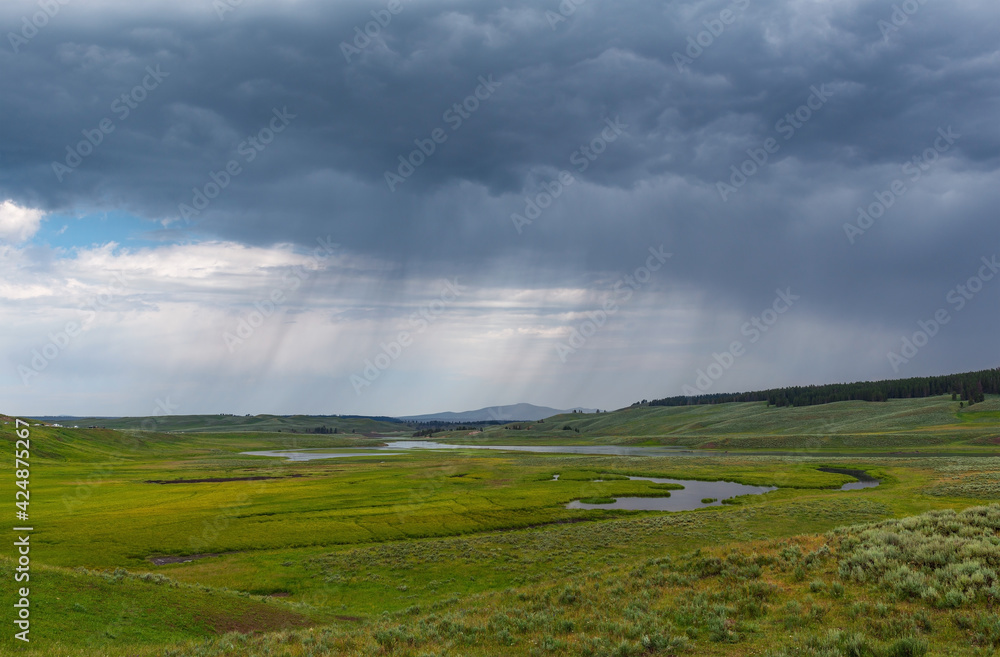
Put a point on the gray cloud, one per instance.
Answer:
(558, 84)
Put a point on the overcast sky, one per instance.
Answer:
(415, 206)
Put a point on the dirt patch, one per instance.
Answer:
(279, 594)
(256, 619)
(214, 480)
(353, 619)
(162, 561)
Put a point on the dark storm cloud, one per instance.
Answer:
(885, 92)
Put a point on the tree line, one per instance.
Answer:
(970, 387)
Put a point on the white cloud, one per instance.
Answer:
(154, 323)
(18, 224)
(166, 310)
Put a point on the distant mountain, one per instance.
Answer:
(510, 413)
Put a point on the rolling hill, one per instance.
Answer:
(510, 413)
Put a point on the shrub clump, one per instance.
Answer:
(946, 558)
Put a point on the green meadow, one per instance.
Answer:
(173, 543)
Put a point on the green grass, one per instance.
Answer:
(943, 558)
(473, 552)
(94, 610)
(931, 424)
(781, 597)
(254, 423)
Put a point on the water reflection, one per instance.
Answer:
(864, 480)
(680, 500)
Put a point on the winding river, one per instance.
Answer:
(692, 496)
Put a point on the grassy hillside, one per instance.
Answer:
(933, 423)
(91, 445)
(101, 610)
(254, 423)
(930, 423)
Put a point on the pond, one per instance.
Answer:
(597, 450)
(691, 497)
(864, 480)
(391, 449)
(296, 455)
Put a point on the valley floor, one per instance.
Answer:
(176, 544)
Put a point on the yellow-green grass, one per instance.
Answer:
(94, 610)
(451, 532)
(788, 597)
(339, 501)
(366, 578)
